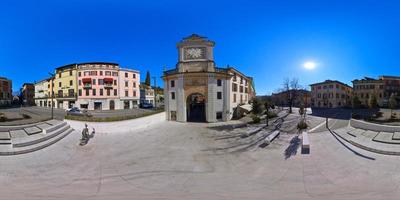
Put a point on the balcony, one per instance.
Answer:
(66, 95)
(108, 85)
(87, 86)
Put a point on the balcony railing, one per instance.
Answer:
(66, 95)
(87, 86)
(108, 85)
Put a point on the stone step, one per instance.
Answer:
(37, 138)
(53, 128)
(8, 150)
(396, 136)
(32, 130)
(5, 142)
(5, 135)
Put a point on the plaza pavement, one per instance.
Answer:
(171, 160)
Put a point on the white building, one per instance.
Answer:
(197, 90)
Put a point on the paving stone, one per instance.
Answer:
(32, 130)
(370, 134)
(4, 136)
(384, 137)
(53, 122)
(43, 126)
(396, 136)
(18, 134)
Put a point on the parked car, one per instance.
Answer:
(79, 112)
(146, 105)
(72, 108)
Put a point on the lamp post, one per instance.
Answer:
(155, 93)
(52, 94)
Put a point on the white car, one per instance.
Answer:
(73, 108)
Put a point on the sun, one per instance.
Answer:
(309, 65)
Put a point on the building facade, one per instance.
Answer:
(65, 86)
(92, 86)
(382, 88)
(129, 88)
(197, 90)
(5, 91)
(301, 97)
(330, 94)
(146, 94)
(28, 94)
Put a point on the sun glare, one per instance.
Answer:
(309, 65)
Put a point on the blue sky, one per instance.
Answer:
(269, 40)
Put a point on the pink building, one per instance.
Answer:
(129, 88)
(98, 86)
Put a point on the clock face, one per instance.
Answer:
(194, 53)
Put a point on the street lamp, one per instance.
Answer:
(155, 93)
(52, 94)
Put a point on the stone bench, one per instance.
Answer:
(271, 137)
(305, 143)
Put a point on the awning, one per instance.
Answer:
(86, 80)
(108, 80)
(246, 107)
(84, 102)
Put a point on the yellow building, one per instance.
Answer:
(65, 86)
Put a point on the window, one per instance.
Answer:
(126, 75)
(219, 115)
(108, 73)
(87, 92)
(134, 93)
(79, 74)
(115, 82)
(70, 83)
(108, 92)
(70, 72)
(115, 73)
(219, 82)
(126, 83)
(101, 73)
(101, 92)
(59, 75)
(126, 93)
(59, 84)
(94, 92)
(101, 82)
(134, 75)
(219, 95)
(172, 83)
(115, 92)
(234, 98)
(134, 84)
(234, 87)
(172, 95)
(241, 88)
(94, 81)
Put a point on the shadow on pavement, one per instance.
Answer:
(294, 145)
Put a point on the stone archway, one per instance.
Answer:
(196, 108)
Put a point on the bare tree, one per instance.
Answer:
(291, 88)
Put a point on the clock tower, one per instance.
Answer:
(195, 54)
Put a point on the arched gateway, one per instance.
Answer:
(196, 90)
(196, 108)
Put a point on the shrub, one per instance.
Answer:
(302, 125)
(2, 117)
(355, 116)
(379, 114)
(25, 116)
(271, 115)
(256, 119)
